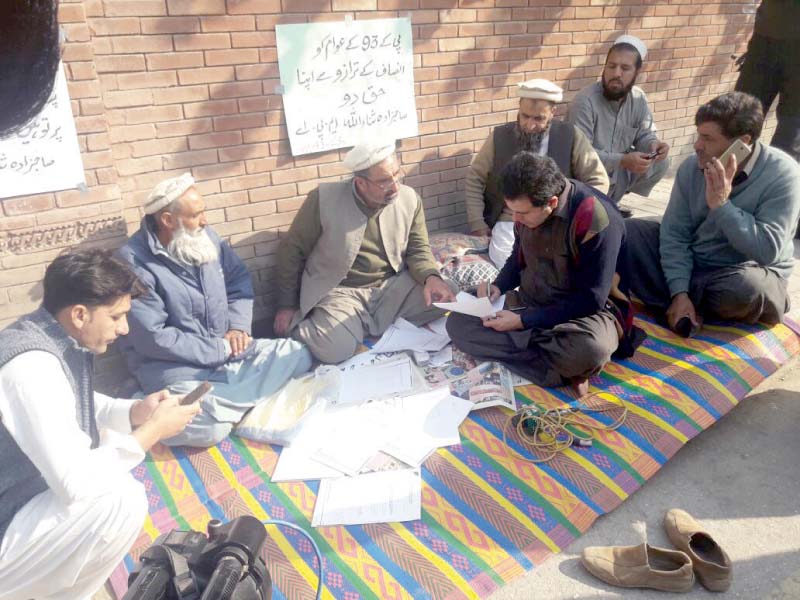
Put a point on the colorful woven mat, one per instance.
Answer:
(487, 517)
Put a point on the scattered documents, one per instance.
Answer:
(403, 335)
(385, 497)
(468, 304)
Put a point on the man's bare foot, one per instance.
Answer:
(580, 385)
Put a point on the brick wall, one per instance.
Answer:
(159, 87)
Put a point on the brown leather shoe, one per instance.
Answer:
(640, 566)
(711, 563)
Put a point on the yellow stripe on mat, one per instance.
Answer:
(682, 364)
(435, 559)
(508, 506)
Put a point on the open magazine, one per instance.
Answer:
(488, 384)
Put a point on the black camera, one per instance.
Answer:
(187, 565)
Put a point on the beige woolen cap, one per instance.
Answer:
(633, 41)
(540, 89)
(167, 191)
(367, 154)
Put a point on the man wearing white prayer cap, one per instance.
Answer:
(536, 131)
(357, 257)
(195, 322)
(615, 116)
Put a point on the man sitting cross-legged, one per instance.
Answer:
(194, 323)
(357, 257)
(724, 247)
(571, 313)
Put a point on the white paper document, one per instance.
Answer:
(387, 378)
(386, 497)
(429, 421)
(468, 304)
(403, 335)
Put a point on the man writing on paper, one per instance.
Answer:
(572, 282)
(615, 116)
(535, 131)
(724, 247)
(357, 257)
(194, 323)
(69, 507)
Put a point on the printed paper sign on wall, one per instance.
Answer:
(346, 82)
(44, 155)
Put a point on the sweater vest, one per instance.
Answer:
(20, 480)
(506, 145)
(343, 226)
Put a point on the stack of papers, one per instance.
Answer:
(403, 335)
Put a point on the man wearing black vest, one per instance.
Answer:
(69, 507)
(565, 283)
(533, 131)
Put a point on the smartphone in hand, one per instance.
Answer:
(739, 149)
(197, 393)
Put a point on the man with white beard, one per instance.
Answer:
(194, 325)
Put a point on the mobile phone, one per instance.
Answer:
(197, 393)
(739, 149)
(652, 155)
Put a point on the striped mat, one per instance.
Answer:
(487, 517)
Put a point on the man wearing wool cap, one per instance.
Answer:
(615, 116)
(535, 131)
(357, 257)
(194, 324)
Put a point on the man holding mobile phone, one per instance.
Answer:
(615, 115)
(724, 248)
(69, 507)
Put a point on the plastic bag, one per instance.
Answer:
(277, 418)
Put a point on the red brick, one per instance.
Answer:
(123, 44)
(202, 41)
(118, 26)
(205, 75)
(153, 147)
(236, 7)
(147, 80)
(211, 108)
(457, 15)
(171, 25)
(254, 39)
(231, 57)
(196, 7)
(228, 23)
(136, 8)
(183, 127)
(119, 63)
(215, 140)
(174, 60)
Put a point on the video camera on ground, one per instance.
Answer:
(187, 565)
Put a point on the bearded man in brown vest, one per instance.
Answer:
(535, 131)
(357, 257)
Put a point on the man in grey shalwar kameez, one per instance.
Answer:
(614, 115)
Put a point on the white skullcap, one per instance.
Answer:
(540, 89)
(633, 41)
(368, 154)
(167, 191)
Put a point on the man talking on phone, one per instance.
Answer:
(69, 507)
(573, 310)
(723, 249)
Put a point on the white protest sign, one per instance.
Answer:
(346, 82)
(44, 155)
